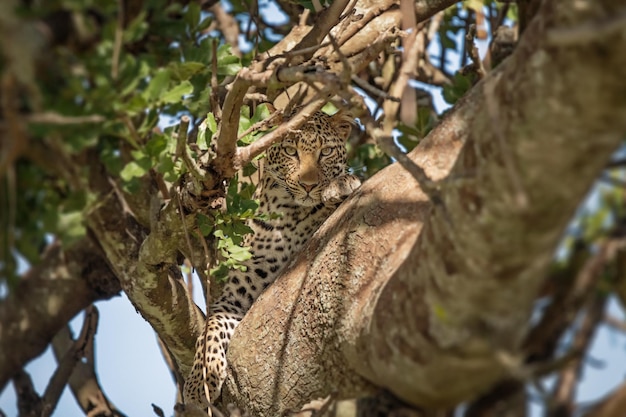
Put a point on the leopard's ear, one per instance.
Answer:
(342, 122)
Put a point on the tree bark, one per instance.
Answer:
(431, 301)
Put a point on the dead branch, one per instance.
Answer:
(28, 401)
(228, 26)
(326, 20)
(562, 402)
(615, 323)
(69, 360)
(558, 317)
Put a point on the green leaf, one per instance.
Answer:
(158, 85)
(220, 272)
(239, 253)
(175, 94)
(135, 169)
(156, 145)
(460, 85)
(204, 24)
(211, 123)
(513, 13)
(241, 228)
(262, 112)
(166, 166)
(204, 224)
(249, 169)
(447, 41)
(137, 28)
(227, 63)
(71, 227)
(185, 70)
(192, 16)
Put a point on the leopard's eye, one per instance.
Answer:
(291, 151)
(326, 151)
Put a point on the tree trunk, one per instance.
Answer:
(431, 301)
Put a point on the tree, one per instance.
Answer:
(417, 293)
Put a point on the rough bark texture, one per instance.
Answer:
(156, 289)
(431, 302)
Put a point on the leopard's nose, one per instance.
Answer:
(307, 187)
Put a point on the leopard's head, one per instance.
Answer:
(307, 160)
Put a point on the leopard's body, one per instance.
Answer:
(304, 179)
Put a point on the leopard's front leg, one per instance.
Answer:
(209, 365)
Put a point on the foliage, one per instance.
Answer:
(117, 84)
(156, 72)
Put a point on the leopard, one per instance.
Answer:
(303, 180)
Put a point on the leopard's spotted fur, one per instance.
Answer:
(304, 178)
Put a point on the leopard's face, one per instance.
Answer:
(307, 160)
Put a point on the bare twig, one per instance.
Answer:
(408, 107)
(133, 138)
(368, 88)
(384, 136)
(303, 51)
(182, 151)
(500, 18)
(59, 119)
(563, 397)
(158, 179)
(262, 125)
(433, 26)
(615, 323)
(189, 276)
(167, 357)
(181, 139)
(543, 338)
(228, 26)
(407, 70)
(157, 410)
(28, 401)
(326, 20)
(472, 50)
(215, 106)
(227, 135)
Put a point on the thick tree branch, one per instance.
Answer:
(427, 301)
(325, 21)
(154, 287)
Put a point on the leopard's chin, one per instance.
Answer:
(307, 201)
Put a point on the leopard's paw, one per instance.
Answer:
(340, 188)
